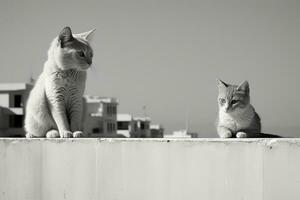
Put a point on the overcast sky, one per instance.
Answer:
(167, 54)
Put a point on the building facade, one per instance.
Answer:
(133, 127)
(143, 127)
(156, 131)
(126, 125)
(182, 134)
(13, 98)
(100, 116)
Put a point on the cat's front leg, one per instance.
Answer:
(224, 132)
(76, 123)
(241, 135)
(75, 129)
(60, 118)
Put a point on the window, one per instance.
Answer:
(108, 110)
(135, 127)
(96, 130)
(108, 127)
(16, 121)
(123, 125)
(18, 101)
(142, 125)
(111, 110)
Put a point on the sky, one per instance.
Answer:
(167, 54)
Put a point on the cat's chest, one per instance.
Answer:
(236, 122)
(65, 85)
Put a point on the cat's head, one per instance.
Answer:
(73, 51)
(233, 98)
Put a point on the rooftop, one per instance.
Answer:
(142, 119)
(124, 117)
(156, 126)
(13, 86)
(98, 99)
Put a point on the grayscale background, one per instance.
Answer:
(166, 55)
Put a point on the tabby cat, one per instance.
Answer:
(54, 107)
(237, 117)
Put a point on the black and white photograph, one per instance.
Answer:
(150, 100)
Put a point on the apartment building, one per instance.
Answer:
(13, 98)
(100, 116)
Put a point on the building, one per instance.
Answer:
(100, 116)
(182, 134)
(13, 98)
(178, 134)
(193, 134)
(143, 127)
(134, 127)
(126, 125)
(156, 131)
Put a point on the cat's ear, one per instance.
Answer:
(65, 36)
(86, 35)
(221, 84)
(244, 86)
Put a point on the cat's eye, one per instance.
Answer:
(234, 102)
(80, 53)
(222, 101)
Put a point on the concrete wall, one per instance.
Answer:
(152, 169)
(4, 100)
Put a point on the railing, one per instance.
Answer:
(149, 169)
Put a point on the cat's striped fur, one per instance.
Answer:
(237, 117)
(55, 105)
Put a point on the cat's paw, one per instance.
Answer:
(52, 134)
(226, 134)
(66, 134)
(241, 135)
(29, 135)
(78, 134)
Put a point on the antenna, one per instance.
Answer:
(31, 79)
(145, 111)
(187, 120)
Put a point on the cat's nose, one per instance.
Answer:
(89, 61)
(227, 109)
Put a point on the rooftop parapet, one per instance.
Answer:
(150, 169)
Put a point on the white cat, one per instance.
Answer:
(55, 106)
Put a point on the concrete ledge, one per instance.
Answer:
(149, 169)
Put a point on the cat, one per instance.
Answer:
(237, 117)
(55, 106)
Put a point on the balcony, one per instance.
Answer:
(13, 110)
(149, 169)
(17, 111)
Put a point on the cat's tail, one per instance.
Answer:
(267, 135)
